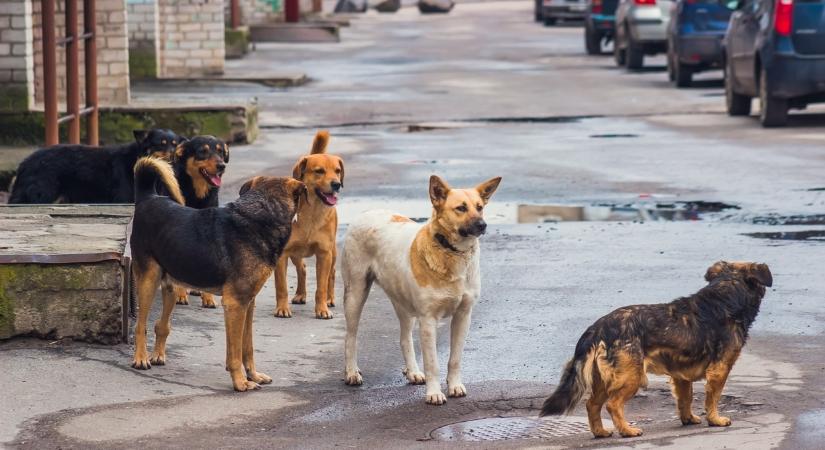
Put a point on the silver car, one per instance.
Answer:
(553, 10)
(641, 29)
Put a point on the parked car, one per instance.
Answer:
(695, 37)
(553, 10)
(641, 29)
(775, 50)
(599, 24)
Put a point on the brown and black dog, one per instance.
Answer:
(314, 231)
(228, 251)
(689, 339)
(199, 164)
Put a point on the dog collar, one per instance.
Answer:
(442, 240)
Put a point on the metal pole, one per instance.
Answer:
(72, 72)
(49, 70)
(235, 14)
(90, 45)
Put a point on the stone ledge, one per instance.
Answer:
(294, 32)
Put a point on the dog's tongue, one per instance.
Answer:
(330, 199)
(215, 180)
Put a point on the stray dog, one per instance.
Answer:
(228, 251)
(87, 174)
(688, 339)
(314, 230)
(199, 164)
(428, 272)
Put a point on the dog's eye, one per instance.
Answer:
(338, 171)
(174, 143)
(461, 208)
(320, 171)
(479, 208)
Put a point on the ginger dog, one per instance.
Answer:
(428, 272)
(314, 230)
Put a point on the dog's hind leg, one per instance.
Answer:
(427, 327)
(624, 382)
(357, 286)
(235, 318)
(301, 271)
(248, 351)
(164, 324)
(716, 376)
(411, 371)
(594, 407)
(459, 326)
(331, 287)
(683, 391)
(281, 294)
(146, 279)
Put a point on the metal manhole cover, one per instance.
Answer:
(509, 428)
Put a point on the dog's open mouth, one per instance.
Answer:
(214, 180)
(330, 199)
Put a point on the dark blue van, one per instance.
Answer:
(775, 50)
(695, 37)
(599, 24)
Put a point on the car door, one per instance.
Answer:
(744, 28)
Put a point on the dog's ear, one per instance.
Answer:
(140, 135)
(341, 177)
(715, 270)
(486, 189)
(319, 144)
(249, 185)
(225, 152)
(297, 188)
(438, 190)
(761, 274)
(299, 169)
(180, 150)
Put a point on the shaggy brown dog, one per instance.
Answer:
(228, 251)
(689, 339)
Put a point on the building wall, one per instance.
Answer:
(112, 52)
(191, 38)
(16, 55)
(142, 21)
(257, 11)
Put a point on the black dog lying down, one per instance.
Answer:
(689, 339)
(229, 251)
(87, 174)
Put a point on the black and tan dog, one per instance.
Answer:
(229, 251)
(692, 338)
(199, 164)
(87, 174)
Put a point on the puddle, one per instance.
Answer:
(806, 235)
(614, 135)
(813, 219)
(641, 212)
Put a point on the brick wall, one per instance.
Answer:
(142, 18)
(257, 11)
(112, 52)
(16, 55)
(191, 35)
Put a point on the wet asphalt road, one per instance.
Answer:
(500, 96)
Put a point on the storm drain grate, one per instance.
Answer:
(510, 428)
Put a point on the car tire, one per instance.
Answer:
(550, 21)
(635, 54)
(619, 53)
(773, 111)
(682, 74)
(736, 104)
(671, 72)
(592, 41)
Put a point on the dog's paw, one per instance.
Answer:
(299, 299)
(141, 363)
(719, 421)
(158, 359)
(323, 314)
(457, 390)
(331, 303)
(631, 432)
(182, 300)
(415, 376)
(208, 301)
(436, 398)
(598, 434)
(246, 385)
(692, 420)
(353, 378)
(283, 312)
(259, 377)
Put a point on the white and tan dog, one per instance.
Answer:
(429, 272)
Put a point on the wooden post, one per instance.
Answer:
(235, 14)
(49, 71)
(292, 11)
(72, 72)
(90, 32)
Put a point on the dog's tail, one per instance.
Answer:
(151, 173)
(576, 380)
(319, 144)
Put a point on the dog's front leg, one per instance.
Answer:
(458, 334)
(716, 376)
(146, 283)
(428, 326)
(323, 265)
(235, 317)
(281, 294)
(249, 352)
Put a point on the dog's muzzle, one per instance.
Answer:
(477, 228)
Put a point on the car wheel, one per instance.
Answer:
(682, 74)
(671, 72)
(619, 53)
(550, 21)
(737, 104)
(635, 54)
(592, 41)
(773, 111)
(537, 16)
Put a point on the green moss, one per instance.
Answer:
(143, 64)
(7, 277)
(115, 127)
(237, 42)
(14, 97)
